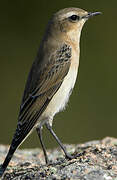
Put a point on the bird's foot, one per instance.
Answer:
(69, 156)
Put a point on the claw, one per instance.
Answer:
(69, 157)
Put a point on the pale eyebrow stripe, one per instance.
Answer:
(68, 14)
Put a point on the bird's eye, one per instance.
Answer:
(74, 17)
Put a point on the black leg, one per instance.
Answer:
(39, 132)
(68, 156)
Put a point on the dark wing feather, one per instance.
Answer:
(47, 82)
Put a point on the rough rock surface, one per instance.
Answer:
(97, 161)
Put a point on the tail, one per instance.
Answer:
(22, 131)
(17, 140)
(7, 160)
(1, 171)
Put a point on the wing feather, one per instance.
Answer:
(40, 88)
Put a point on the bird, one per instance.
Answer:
(51, 79)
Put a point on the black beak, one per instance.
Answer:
(90, 14)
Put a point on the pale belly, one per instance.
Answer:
(61, 97)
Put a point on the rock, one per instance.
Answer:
(97, 160)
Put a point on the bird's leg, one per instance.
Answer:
(67, 155)
(39, 132)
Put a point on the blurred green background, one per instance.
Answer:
(91, 112)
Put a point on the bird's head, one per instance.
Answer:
(69, 21)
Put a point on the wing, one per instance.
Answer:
(40, 88)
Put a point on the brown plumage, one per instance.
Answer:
(51, 78)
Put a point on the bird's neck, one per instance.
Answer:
(73, 36)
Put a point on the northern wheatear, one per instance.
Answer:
(51, 79)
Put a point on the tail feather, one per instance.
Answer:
(7, 160)
(22, 131)
(2, 169)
